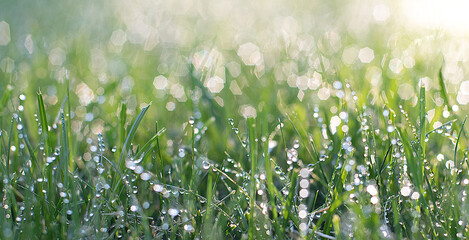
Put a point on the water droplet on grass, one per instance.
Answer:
(173, 212)
(205, 165)
(191, 121)
(405, 191)
(296, 144)
(158, 188)
(145, 176)
(189, 228)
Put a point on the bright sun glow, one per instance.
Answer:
(450, 15)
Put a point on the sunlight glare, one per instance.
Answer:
(450, 15)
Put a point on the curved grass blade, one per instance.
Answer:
(131, 134)
(43, 120)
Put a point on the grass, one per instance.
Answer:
(285, 134)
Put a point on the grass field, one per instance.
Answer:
(231, 120)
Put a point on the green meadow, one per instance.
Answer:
(204, 119)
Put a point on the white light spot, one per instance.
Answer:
(250, 54)
(160, 82)
(57, 56)
(29, 44)
(4, 33)
(145, 176)
(118, 37)
(324, 93)
(371, 189)
(463, 93)
(381, 12)
(302, 214)
(170, 106)
(335, 122)
(247, 111)
(304, 193)
(173, 212)
(405, 191)
(415, 195)
(366, 55)
(405, 91)
(85, 94)
(158, 188)
(215, 84)
(395, 65)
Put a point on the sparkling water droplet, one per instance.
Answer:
(205, 165)
(173, 212)
(296, 144)
(191, 121)
(145, 176)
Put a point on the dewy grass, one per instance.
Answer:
(314, 127)
(119, 193)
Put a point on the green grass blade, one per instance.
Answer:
(43, 121)
(131, 135)
(253, 159)
(441, 82)
(457, 164)
(269, 179)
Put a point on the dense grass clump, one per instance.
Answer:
(146, 120)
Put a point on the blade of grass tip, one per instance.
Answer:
(131, 134)
(147, 147)
(383, 163)
(191, 123)
(69, 126)
(43, 121)
(441, 81)
(456, 146)
(122, 118)
(159, 156)
(269, 179)
(253, 158)
(120, 164)
(65, 151)
(422, 129)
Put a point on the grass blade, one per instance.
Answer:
(131, 135)
(44, 126)
(253, 159)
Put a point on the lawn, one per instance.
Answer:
(231, 119)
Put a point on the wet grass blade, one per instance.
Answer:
(304, 139)
(43, 121)
(422, 116)
(122, 119)
(441, 81)
(131, 135)
(456, 162)
(269, 179)
(253, 159)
